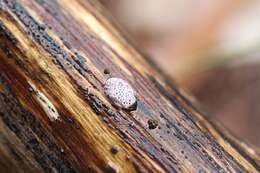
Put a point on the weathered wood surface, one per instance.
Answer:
(53, 54)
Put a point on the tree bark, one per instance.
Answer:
(55, 116)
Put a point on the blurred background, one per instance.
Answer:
(211, 48)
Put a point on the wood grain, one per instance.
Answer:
(52, 61)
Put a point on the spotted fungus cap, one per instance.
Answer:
(120, 93)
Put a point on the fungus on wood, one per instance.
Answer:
(56, 117)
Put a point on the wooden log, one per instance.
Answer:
(55, 57)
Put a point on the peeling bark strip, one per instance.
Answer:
(55, 56)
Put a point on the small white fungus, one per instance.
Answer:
(120, 93)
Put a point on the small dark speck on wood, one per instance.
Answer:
(114, 149)
(106, 71)
(152, 124)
